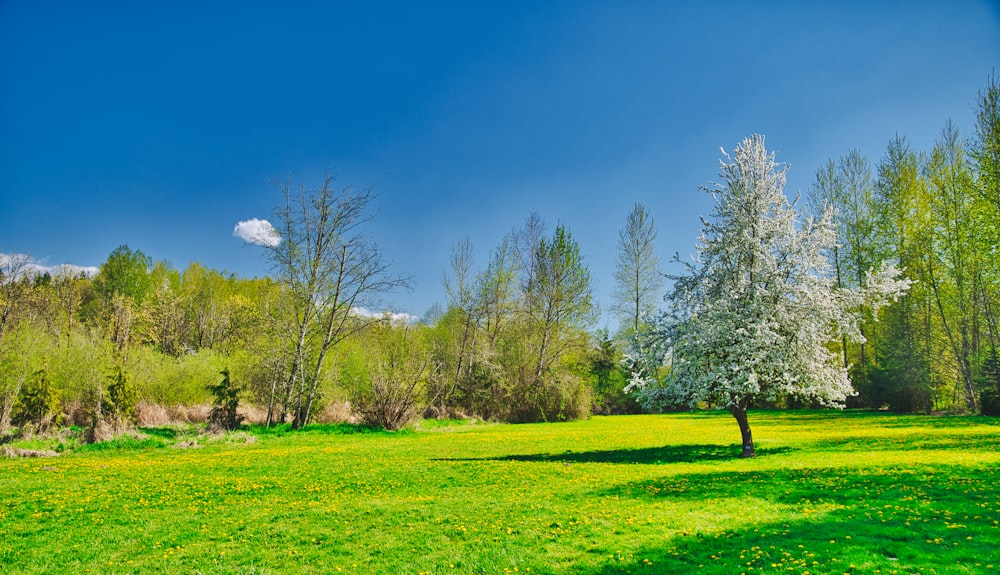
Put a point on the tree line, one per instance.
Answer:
(936, 215)
(513, 344)
(515, 339)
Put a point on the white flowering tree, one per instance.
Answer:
(751, 316)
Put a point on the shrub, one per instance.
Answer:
(989, 379)
(120, 397)
(37, 403)
(112, 410)
(389, 397)
(609, 380)
(902, 387)
(227, 399)
(387, 378)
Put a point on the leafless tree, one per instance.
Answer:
(330, 266)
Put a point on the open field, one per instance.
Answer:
(829, 492)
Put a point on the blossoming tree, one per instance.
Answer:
(750, 317)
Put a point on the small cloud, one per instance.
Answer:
(258, 233)
(399, 318)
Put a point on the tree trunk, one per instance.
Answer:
(740, 413)
(270, 399)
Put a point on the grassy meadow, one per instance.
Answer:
(830, 492)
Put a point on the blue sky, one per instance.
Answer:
(160, 125)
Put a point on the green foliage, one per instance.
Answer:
(989, 371)
(226, 400)
(38, 402)
(167, 380)
(80, 363)
(900, 376)
(563, 394)
(609, 380)
(125, 273)
(512, 345)
(23, 353)
(389, 390)
(936, 215)
(120, 396)
(642, 494)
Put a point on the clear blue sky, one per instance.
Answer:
(160, 124)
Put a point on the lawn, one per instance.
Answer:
(830, 492)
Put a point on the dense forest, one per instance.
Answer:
(142, 341)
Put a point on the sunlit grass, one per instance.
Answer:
(829, 493)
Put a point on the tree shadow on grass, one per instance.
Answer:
(161, 432)
(647, 456)
(841, 520)
(919, 440)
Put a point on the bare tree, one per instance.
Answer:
(460, 288)
(526, 241)
(329, 266)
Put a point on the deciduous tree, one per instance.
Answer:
(330, 265)
(638, 279)
(752, 316)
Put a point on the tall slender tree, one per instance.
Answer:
(904, 344)
(638, 279)
(461, 292)
(562, 305)
(953, 269)
(985, 150)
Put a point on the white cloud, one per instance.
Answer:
(257, 232)
(23, 264)
(393, 317)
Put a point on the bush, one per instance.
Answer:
(903, 388)
(38, 403)
(386, 391)
(989, 379)
(165, 380)
(111, 411)
(560, 395)
(389, 400)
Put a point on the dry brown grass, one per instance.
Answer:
(252, 414)
(108, 429)
(155, 415)
(336, 412)
(151, 415)
(13, 452)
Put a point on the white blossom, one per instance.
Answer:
(751, 317)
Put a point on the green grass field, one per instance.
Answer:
(829, 492)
